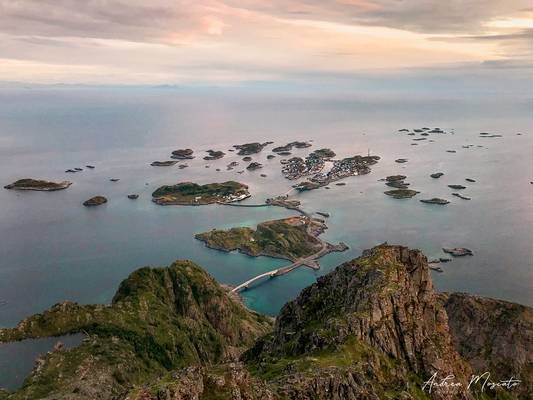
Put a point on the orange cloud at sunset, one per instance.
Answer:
(167, 41)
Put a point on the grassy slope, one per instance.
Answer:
(160, 319)
(274, 238)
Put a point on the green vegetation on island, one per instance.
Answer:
(189, 193)
(39, 185)
(286, 238)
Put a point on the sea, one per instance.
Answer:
(53, 249)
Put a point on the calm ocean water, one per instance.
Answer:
(52, 248)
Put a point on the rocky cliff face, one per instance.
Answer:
(160, 319)
(226, 381)
(494, 336)
(372, 329)
(379, 315)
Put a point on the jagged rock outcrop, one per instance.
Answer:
(372, 329)
(227, 381)
(160, 319)
(494, 336)
(377, 322)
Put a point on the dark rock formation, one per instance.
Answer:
(494, 336)
(250, 148)
(182, 154)
(458, 251)
(437, 175)
(394, 178)
(401, 193)
(214, 155)
(289, 146)
(435, 200)
(95, 201)
(360, 330)
(461, 196)
(323, 153)
(253, 166)
(163, 163)
(133, 196)
(396, 181)
(306, 185)
(457, 187)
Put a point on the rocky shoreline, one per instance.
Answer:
(38, 185)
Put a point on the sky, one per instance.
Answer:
(227, 42)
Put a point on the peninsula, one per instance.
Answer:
(193, 194)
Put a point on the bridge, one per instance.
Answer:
(310, 261)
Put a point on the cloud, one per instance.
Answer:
(133, 20)
(182, 40)
(427, 16)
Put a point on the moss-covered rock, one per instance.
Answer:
(366, 330)
(159, 320)
(286, 238)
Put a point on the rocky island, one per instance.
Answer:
(182, 154)
(250, 148)
(289, 146)
(95, 201)
(435, 200)
(38, 185)
(287, 238)
(214, 155)
(397, 181)
(163, 163)
(253, 166)
(374, 328)
(401, 193)
(189, 193)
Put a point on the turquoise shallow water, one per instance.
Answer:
(52, 248)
